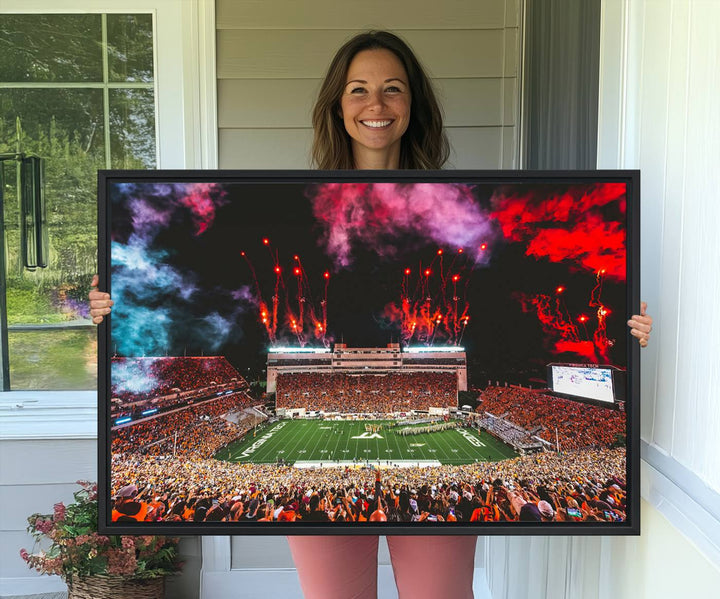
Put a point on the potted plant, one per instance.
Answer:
(95, 566)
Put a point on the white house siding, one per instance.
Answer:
(271, 57)
(658, 111)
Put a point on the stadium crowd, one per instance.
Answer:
(160, 476)
(165, 378)
(200, 428)
(578, 425)
(378, 394)
(584, 486)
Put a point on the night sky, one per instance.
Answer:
(182, 286)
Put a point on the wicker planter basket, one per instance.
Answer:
(116, 587)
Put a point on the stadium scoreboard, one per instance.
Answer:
(603, 384)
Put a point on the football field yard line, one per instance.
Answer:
(243, 444)
(301, 449)
(344, 437)
(315, 455)
(422, 451)
(270, 453)
(466, 451)
(398, 454)
(259, 454)
(447, 454)
(289, 440)
(335, 453)
(302, 431)
(305, 431)
(361, 445)
(300, 441)
(234, 454)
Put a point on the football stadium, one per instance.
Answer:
(376, 439)
(276, 358)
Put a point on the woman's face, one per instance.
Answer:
(375, 105)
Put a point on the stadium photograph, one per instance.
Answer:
(349, 354)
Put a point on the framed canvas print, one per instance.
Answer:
(396, 352)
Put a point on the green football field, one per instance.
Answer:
(311, 442)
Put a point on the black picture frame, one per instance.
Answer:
(493, 188)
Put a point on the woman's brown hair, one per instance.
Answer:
(424, 144)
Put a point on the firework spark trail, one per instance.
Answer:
(307, 311)
(299, 315)
(265, 318)
(297, 271)
(570, 226)
(371, 214)
(275, 302)
(455, 298)
(556, 322)
(432, 310)
(442, 274)
(326, 276)
(600, 336)
(555, 325)
(550, 314)
(270, 318)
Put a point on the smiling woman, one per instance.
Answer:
(375, 108)
(375, 78)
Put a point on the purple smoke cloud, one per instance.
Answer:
(370, 214)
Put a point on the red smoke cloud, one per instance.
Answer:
(586, 349)
(570, 226)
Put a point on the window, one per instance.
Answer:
(78, 91)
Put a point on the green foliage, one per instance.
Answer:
(26, 303)
(70, 191)
(66, 127)
(77, 550)
(50, 47)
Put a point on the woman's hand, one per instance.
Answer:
(641, 325)
(100, 302)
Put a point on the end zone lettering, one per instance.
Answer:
(471, 438)
(250, 450)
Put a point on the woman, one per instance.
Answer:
(377, 110)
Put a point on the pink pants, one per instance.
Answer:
(425, 567)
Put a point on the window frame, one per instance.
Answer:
(186, 137)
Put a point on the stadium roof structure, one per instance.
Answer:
(298, 350)
(433, 349)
